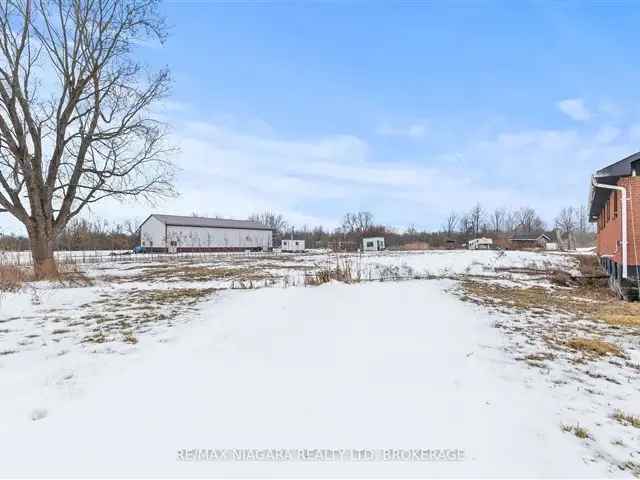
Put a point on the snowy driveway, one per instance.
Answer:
(376, 365)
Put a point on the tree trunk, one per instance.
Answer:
(44, 264)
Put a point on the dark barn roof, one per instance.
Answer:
(529, 237)
(610, 175)
(183, 221)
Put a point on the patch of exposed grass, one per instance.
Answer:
(594, 346)
(576, 430)
(8, 352)
(618, 319)
(569, 310)
(122, 317)
(627, 419)
(196, 273)
(98, 337)
(595, 302)
(632, 466)
(169, 296)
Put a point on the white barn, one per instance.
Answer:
(173, 233)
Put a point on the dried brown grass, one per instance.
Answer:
(594, 346)
(622, 320)
(318, 278)
(627, 419)
(577, 430)
(415, 246)
(12, 277)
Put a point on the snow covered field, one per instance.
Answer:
(119, 377)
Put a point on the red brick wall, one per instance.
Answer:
(609, 240)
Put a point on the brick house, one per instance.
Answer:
(615, 206)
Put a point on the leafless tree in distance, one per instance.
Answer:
(582, 214)
(451, 223)
(497, 219)
(359, 222)
(528, 220)
(275, 221)
(567, 220)
(75, 120)
(476, 218)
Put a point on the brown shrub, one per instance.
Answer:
(12, 277)
(318, 278)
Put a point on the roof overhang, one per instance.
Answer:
(610, 175)
(530, 238)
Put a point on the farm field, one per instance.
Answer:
(519, 359)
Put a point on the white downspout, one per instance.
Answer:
(623, 194)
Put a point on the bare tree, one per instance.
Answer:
(275, 221)
(476, 219)
(359, 222)
(567, 220)
(511, 221)
(451, 223)
(497, 219)
(528, 220)
(75, 120)
(582, 218)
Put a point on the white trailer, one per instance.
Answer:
(373, 244)
(289, 245)
(173, 233)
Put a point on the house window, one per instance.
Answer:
(369, 244)
(615, 204)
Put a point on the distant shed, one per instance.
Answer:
(480, 244)
(174, 233)
(530, 240)
(373, 244)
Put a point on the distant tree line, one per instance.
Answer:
(458, 227)
(83, 234)
(499, 223)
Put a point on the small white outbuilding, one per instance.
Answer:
(290, 245)
(480, 244)
(373, 244)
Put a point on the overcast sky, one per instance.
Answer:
(408, 110)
